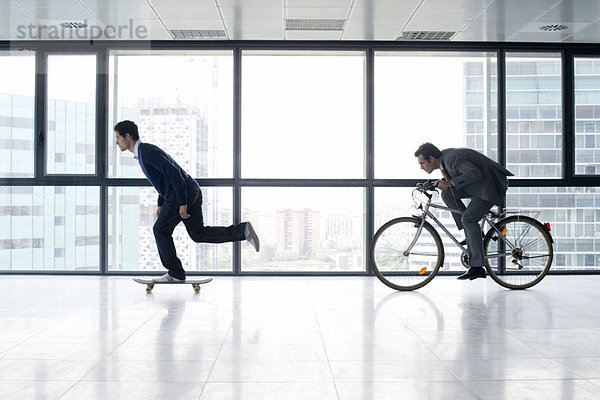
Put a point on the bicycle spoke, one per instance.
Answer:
(532, 242)
(389, 259)
(526, 231)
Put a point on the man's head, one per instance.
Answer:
(428, 157)
(126, 133)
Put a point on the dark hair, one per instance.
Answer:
(427, 150)
(125, 127)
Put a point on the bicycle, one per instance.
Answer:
(407, 252)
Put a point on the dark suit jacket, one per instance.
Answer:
(164, 173)
(476, 174)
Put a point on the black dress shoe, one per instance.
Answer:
(473, 273)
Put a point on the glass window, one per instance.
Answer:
(50, 228)
(181, 101)
(17, 106)
(533, 95)
(305, 229)
(303, 114)
(521, 98)
(573, 219)
(131, 245)
(549, 82)
(71, 121)
(431, 97)
(587, 120)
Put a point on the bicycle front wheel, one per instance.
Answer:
(409, 271)
(521, 254)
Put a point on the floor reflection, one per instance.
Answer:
(288, 337)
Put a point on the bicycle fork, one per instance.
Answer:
(419, 227)
(406, 252)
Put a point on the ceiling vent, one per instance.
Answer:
(425, 35)
(314, 24)
(553, 27)
(199, 34)
(73, 25)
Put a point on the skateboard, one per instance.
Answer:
(194, 282)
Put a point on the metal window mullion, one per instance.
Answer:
(40, 134)
(369, 151)
(568, 114)
(237, 155)
(501, 110)
(101, 151)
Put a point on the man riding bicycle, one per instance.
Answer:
(467, 174)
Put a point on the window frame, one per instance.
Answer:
(101, 48)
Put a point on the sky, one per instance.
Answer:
(18, 74)
(417, 100)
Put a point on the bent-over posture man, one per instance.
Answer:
(467, 174)
(179, 199)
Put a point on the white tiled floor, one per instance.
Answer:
(68, 337)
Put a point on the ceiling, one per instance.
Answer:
(472, 20)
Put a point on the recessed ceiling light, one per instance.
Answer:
(425, 35)
(553, 27)
(314, 24)
(73, 25)
(199, 33)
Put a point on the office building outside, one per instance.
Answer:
(57, 228)
(534, 148)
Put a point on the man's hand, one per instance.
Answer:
(183, 212)
(443, 185)
(158, 211)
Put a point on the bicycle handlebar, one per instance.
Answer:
(427, 186)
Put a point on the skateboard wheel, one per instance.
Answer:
(149, 288)
(197, 289)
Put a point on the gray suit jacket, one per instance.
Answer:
(476, 174)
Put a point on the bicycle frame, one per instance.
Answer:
(427, 213)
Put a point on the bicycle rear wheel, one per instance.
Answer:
(523, 256)
(406, 272)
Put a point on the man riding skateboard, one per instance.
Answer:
(179, 199)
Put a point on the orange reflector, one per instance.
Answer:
(504, 231)
(422, 270)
